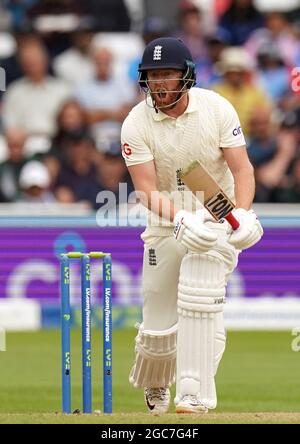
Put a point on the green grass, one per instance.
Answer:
(145, 418)
(257, 381)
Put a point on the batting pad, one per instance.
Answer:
(201, 338)
(155, 361)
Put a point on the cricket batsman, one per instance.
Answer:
(188, 256)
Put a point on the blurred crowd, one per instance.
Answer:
(71, 79)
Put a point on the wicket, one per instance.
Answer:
(86, 330)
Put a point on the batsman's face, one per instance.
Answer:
(164, 85)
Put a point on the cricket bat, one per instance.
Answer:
(216, 201)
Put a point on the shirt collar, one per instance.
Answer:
(192, 107)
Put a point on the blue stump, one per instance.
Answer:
(107, 334)
(65, 334)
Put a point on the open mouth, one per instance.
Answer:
(162, 94)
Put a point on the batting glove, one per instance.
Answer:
(191, 232)
(249, 232)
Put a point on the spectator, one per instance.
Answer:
(206, 73)
(77, 179)
(33, 101)
(191, 30)
(71, 122)
(237, 86)
(290, 102)
(290, 120)
(278, 32)
(240, 20)
(291, 192)
(10, 169)
(10, 63)
(66, 64)
(262, 144)
(106, 100)
(71, 125)
(273, 77)
(271, 154)
(112, 171)
(35, 182)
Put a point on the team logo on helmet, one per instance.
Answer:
(157, 52)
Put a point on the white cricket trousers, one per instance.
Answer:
(161, 267)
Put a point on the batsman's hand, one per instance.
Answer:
(191, 232)
(249, 232)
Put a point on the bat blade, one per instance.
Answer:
(216, 201)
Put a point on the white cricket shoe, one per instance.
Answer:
(157, 400)
(190, 404)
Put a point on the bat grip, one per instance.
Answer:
(233, 221)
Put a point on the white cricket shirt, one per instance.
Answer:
(209, 123)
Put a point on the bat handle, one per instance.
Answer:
(233, 221)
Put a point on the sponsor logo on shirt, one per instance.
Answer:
(126, 150)
(237, 131)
